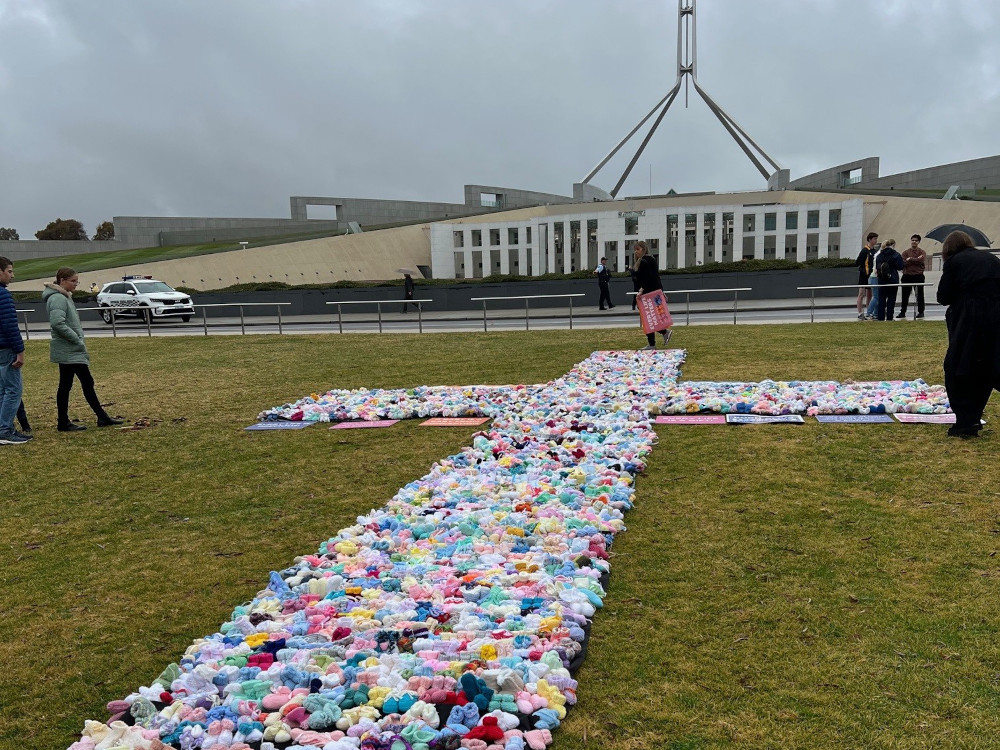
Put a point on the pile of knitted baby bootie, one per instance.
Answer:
(454, 616)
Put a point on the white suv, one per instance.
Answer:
(145, 297)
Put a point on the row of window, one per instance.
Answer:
(632, 227)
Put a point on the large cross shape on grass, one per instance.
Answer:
(459, 611)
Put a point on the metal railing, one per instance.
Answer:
(147, 318)
(812, 293)
(527, 318)
(688, 292)
(379, 303)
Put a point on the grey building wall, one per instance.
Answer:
(974, 173)
(280, 228)
(511, 197)
(375, 211)
(833, 178)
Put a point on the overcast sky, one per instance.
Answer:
(228, 107)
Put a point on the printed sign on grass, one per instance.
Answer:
(854, 418)
(764, 419)
(691, 419)
(278, 426)
(927, 418)
(373, 423)
(454, 421)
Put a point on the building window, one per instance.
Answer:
(477, 238)
(812, 220)
(791, 251)
(459, 240)
(770, 222)
(792, 220)
(527, 235)
(834, 217)
(631, 225)
(512, 236)
(494, 237)
(749, 223)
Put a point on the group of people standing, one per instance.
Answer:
(879, 266)
(66, 348)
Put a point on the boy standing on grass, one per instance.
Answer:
(11, 360)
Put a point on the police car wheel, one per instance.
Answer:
(145, 315)
(106, 314)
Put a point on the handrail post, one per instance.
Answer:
(484, 316)
(571, 313)
(149, 322)
(243, 328)
(340, 316)
(812, 305)
(736, 304)
(527, 325)
(114, 324)
(688, 321)
(420, 317)
(27, 336)
(204, 319)
(280, 331)
(379, 306)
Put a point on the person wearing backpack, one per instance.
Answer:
(888, 264)
(603, 283)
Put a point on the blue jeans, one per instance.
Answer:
(10, 389)
(873, 305)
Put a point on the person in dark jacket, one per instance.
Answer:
(888, 265)
(970, 286)
(407, 289)
(647, 277)
(603, 274)
(11, 360)
(864, 264)
(68, 350)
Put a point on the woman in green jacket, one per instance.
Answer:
(68, 350)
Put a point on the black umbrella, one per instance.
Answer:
(978, 238)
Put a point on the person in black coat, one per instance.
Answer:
(647, 279)
(970, 286)
(408, 287)
(889, 264)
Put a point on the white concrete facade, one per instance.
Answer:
(678, 236)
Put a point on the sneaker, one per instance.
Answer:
(861, 316)
(901, 316)
(919, 315)
(667, 335)
(649, 348)
(71, 427)
(13, 438)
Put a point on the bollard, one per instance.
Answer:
(688, 320)
(379, 306)
(340, 317)
(571, 313)
(243, 328)
(420, 317)
(736, 303)
(527, 326)
(279, 319)
(204, 319)
(484, 316)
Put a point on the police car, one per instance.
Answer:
(144, 297)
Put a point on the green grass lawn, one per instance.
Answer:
(778, 586)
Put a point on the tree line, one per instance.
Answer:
(64, 229)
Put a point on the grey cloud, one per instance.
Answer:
(226, 108)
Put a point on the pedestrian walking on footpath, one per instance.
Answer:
(604, 284)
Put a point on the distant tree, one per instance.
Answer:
(105, 231)
(8, 234)
(62, 229)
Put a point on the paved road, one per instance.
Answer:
(749, 312)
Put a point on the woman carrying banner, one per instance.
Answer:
(647, 279)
